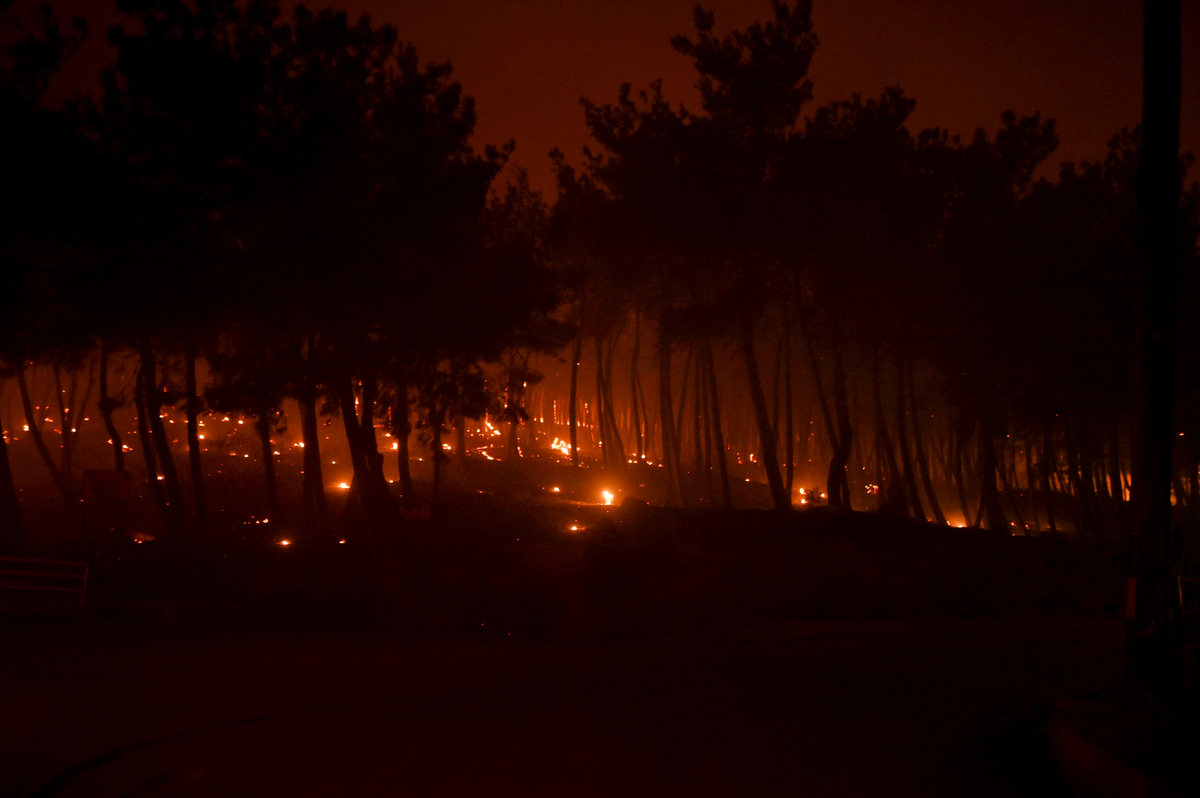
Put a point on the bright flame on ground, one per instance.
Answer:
(556, 490)
(608, 497)
(343, 486)
(562, 446)
(285, 543)
(341, 541)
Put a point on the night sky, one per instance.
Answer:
(527, 62)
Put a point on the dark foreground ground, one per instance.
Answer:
(517, 645)
(957, 708)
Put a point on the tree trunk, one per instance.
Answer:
(718, 433)
(31, 418)
(66, 422)
(837, 488)
(766, 434)
(910, 475)
(263, 426)
(698, 449)
(892, 487)
(667, 420)
(380, 494)
(961, 434)
(139, 402)
(401, 430)
(437, 457)
(10, 510)
(680, 418)
(922, 460)
(573, 412)
(161, 444)
(633, 386)
(788, 430)
(614, 432)
(988, 494)
(606, 449)
(107, 405)
(314, 481)
(193, 439)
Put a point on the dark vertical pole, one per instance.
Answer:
(1158, 191)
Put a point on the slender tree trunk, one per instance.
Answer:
(143, 425)
(837, 486)
(922, 461)
(600, 415)
(892, 485)
(10, 509)
(35, 432)
(633, 386)
(667, 420)
(573, 412)
(704, 419)
(717, 432)
(845, 437)
(314, 481)
(437, 456)
(65, 423)
(193, 439)
(401, 430)
(1030, 476)
(107, 405)
(618, 445)
(381, 496)
(263, 426)
(988, 493)
(766, 434)
(961, 435)
(346, 398)
(788, 431)
(460, 437)
(161, 444)
(701, 480)
(910, 476)
(680, 418)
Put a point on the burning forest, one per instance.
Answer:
(272, 313)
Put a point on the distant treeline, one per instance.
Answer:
(294, 201)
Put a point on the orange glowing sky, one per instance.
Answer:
(527, 62)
